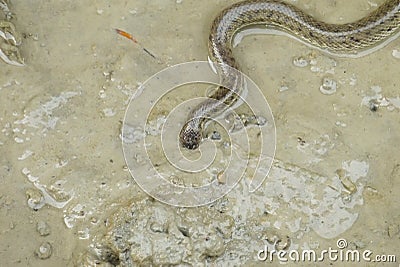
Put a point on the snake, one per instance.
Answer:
(351, 39)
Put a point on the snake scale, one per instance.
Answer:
(378, 27)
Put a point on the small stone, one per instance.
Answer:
(255, 120)
(35, 37)
(35, 199)
(215, 136)
(283, 88)
(396, 53)
(221, 178)
(175, 180)
(158, 228)
(43, 228)
(94, 220)
(300, 62)
(328, 86)
(44, 251)
(373, 105)
(283, 244)
(226, 145)
(133, 11)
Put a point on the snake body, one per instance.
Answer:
(380, 26)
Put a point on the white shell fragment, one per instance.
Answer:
(10, 39)
(44, 251)
(300, 62)
(43, 228)
(396, 53)
(328, 86)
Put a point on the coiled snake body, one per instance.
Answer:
(380, 26)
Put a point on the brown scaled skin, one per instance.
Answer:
(349, 39)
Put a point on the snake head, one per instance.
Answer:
(190, 138)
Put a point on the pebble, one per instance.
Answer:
(300, 62)
(221, 178)
(328, 86)
(283, 244)
(175, 180)
(43, 228)
(215, 135)
(133, 11)
(35, 37)
(109, 112)
(255, 120)
(158, 228)
(35, 199)
(396, 53)
(44, 251)
(373, 105)
(283, 88)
